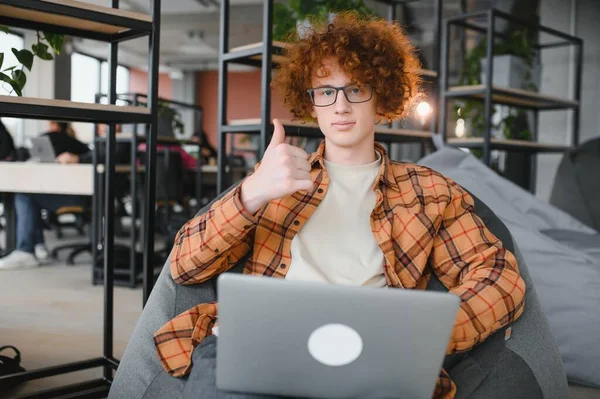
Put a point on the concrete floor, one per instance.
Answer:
(54, 315)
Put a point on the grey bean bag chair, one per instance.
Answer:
(527, 365)
(576, 187)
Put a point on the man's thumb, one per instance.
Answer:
(278, 133)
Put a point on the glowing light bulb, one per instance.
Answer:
(459, 130)
(423, 111)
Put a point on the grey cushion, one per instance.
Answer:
(528, 365)
(560, 256)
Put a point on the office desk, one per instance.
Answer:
(46, 178)
(40, 178)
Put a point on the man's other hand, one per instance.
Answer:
(67, 157)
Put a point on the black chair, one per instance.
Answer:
(169, 193)
(83, 217)
(526, 366)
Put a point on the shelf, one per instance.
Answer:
(295, 128)
(507, 145)
(514, 97)
(405, 135)
(75, 18)
(39, 108)
(251, 54)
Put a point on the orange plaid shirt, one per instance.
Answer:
(422, 221)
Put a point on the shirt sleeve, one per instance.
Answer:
(175, 341)
(213, 242)
(474, 265)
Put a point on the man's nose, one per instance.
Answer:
(341, 103)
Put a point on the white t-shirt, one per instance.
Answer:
(336, 245)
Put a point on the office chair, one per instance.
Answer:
(83, 216)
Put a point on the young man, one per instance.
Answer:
(345, 214)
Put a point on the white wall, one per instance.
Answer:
(184, 90)
(40, 84)
(580, 18)
(588, 27)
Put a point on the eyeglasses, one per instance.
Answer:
(327, 95)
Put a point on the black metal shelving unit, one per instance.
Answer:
(111, 25)
(132, 275)
(267, 56)
(485, 22)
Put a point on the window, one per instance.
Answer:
(84, 78)
(122, 80)
(9, 41)
(89, 76)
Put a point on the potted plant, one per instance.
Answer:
(514, 66)
(15, 75)
(169, 120)
(515, 63)
(297, 16)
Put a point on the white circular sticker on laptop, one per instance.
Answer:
(335, 345)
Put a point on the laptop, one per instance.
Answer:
(306, 339)
(42, 149)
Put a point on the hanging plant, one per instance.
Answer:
(287, 15)
(15, 75)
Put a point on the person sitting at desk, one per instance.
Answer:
(8, 151)
(30, 237)
(207, 150)
(188, 162)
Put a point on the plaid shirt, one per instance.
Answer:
(422, 221)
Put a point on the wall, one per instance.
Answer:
(578, 17)
(587, 27)
(40, 84)
(138, 83)
(184, 90)
(243, 99)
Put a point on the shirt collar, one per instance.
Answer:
(386, 172)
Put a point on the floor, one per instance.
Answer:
(54, 315)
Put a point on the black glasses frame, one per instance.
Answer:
(311, 93)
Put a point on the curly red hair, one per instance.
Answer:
(369, 50)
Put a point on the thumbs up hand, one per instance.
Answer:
(284, 169)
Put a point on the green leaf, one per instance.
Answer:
(10, 68)
(55, 40)
(25, 57)
(19, 77)
(1, 59)
(5, 78)
(41, 50)
(4, 28)
(15, 86)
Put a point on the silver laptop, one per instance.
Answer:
(307, 339)
(42, 149)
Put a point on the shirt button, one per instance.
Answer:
(246, 227)
(296, 223)
(217, 250)
(320, 191)
(283, 265)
